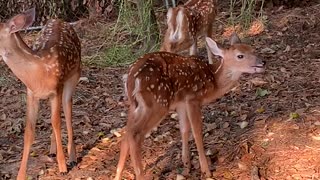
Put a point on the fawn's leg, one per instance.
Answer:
(209, 34)
(29, 133)
(143, 124)
(68, 91)
(193, 48)
(194, 115)
(185, 130)
(56, 124)
(124, 149)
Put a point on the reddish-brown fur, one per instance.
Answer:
(160, 82)
(197, 19)
(50, 71)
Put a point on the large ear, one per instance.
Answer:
(169, 15)
(234, 39)
(214, 47)
(21, 21)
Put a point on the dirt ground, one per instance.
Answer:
(266, 128)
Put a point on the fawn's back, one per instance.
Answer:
(59, 47)
(170, 78)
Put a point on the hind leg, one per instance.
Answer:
(68, 91)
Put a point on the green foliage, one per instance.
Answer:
(247, 12)
(134, 34)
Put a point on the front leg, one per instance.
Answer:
(56, 125)
(29, 132)
(193, 48)
(194, 115)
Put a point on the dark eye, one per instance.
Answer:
(240, 56)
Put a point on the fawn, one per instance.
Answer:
(161, 82)
(50, 70)
(186, 23)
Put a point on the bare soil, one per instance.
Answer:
(280, 141)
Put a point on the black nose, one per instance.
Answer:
(264, 62)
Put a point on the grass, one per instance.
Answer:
(247, 14)
(132, 35)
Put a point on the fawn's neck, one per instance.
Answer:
(21, 59)
(225, 80)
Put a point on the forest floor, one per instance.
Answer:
(281, 107)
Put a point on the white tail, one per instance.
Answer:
(160, 82)
(186, 23)
(51, 70)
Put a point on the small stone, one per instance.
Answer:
(180, 177)
(242, 166)
(243, 124)
(209, 153)
(3, 116)
(225, 125)
(85, 79)
(123, 114)
(317, 123)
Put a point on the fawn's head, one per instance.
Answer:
(178, 36)
(239, 58)
(13, 25)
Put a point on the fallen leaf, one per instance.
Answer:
(294, 115)
(262, 92)
(267, 50)
(258, 81)
(260, 110)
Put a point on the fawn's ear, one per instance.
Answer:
(22, 20)
(214, 47)
(234, 39)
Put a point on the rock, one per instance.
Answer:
(180, 177)
(243, 124)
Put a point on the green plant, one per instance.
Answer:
(134, 33)
(247, 13)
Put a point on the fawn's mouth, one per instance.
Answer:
(259, 68)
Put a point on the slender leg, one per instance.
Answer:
(193, 48)
(56, 124)
(124, 149)
(68, 91)
(185, 130)
(29, 133)
(53, 146)
(194, 115)
(209, 34)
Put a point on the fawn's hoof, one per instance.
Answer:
(71, 164)
(63, 173)
(52, 155)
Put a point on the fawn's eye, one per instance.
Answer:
(240, 56)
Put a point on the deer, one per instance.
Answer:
(188, 22)
(160, 82)
(49, 70)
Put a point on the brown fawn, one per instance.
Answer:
(186, 23)
(50, 70)
(160, 82)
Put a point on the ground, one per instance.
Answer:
(266, 128)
